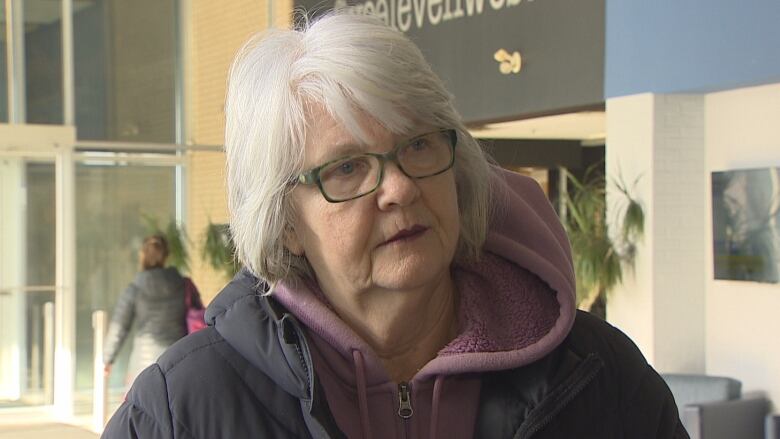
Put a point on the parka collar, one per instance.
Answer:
(264, 333)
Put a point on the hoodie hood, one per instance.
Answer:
(516, 303)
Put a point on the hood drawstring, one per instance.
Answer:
(360, 371)
(437, 385)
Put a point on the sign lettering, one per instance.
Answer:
(401, 14)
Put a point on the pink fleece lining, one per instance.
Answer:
(508, 317)
(502, 306)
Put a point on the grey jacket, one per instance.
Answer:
(154, 302)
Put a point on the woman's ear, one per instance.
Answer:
(291, 241)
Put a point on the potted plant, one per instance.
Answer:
(600, 256)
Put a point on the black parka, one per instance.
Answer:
(250, 375)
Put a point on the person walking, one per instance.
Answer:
(154, 301)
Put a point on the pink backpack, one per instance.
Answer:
(195, 314)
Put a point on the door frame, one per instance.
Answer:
(56, 142)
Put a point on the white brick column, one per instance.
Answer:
(661, 140)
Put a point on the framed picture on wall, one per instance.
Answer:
(746, 224)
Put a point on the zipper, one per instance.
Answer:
(296, 341)
(305, 367)
(405, 410)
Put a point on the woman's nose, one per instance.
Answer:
(396, 189)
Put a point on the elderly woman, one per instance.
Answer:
(396, 284)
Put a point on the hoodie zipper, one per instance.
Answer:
(405, 410)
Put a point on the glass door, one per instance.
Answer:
(35, 278)
(27, 281)
(71, 224)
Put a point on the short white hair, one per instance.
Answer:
(352, 66)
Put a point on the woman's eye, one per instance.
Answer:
(346, 168)
(418, 144)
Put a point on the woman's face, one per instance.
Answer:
(401, 236)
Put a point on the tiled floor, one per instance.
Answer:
(44, 431)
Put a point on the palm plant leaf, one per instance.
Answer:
(178, 255)
(219, 251)
(633, 221)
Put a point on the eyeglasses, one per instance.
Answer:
(354, 176)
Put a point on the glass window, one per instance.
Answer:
(111, 202)
(42, 48)
(125, 64)
(3, 68)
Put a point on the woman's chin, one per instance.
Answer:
(418, 263)
(408, 273)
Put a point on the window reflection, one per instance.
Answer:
(42, 48)
(125, 61)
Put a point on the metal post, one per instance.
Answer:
(563, 191)
(65, 296)
(48, 352)
(9, 60)
(99, 380)
(68, 92)
(16, 72)
(180, 81)
(36, 349)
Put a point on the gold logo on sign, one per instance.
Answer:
(508, 62)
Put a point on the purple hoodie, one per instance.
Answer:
(516, 305)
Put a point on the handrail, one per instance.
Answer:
(28, 288)
(91, 145)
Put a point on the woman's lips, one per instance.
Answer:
(407, 234)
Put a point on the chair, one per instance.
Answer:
(712, 407)
(772, 426)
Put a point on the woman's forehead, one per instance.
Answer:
(327, 137)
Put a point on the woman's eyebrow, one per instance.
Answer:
(339, 150)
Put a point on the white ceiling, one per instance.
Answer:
(589, 126)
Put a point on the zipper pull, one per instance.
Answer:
(404, 401)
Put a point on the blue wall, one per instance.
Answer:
(668, 46)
